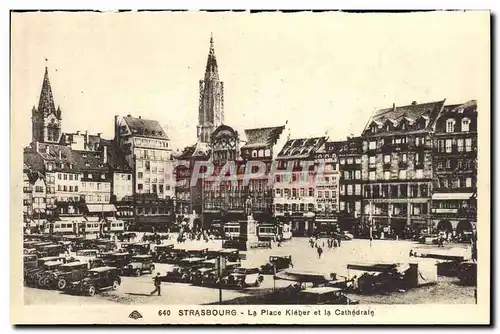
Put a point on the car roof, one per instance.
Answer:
(87, 250)
(52, 263)
(229, 250)
(246, 268)
(101, 269)
(320, 290)
(192, 259)
(141, 256)
(49, 258)
(74, 264)
(141, 243)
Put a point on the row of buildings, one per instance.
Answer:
(412, 167)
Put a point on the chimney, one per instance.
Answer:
(78, 132)
(116, 130)
(99, 134)
(86, 139)
(139, 117)
(60, 154)
(105, 158)
(414, 103)
(37, 147)
(394, 106)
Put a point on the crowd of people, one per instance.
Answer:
(333, 241)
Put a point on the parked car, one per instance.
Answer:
(243, 277)
(174, 255)
(139, 264)
(160, 252)
(96, 280)
(197, 275)
(174, 274)
(41, 278)
(86, 255)
(324, 295)
(118, 260)
(276, 263)
(345, 235)
(66, 273)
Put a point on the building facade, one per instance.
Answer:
(455, 163)
(397, 169)
(295, 185)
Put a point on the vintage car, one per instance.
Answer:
(118, 260)
(189, 265)
(34, 271)
(105, 245)
(243, 277)
(68, 272)
(276, 264)
(175, 274)
(50, 250)
(174, 255)
(40, 279)
(324, 295)
(139, 264)
(86, 255)
(95, 280)
(196, 252)
(197, 275)
(160, 252)
(140, 248)
(345, 235)
(211, 277)
(429, 239)
(467, 273)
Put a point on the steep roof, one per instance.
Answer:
(46, 102)
(145, 127)
(116, 159)
(33, 160)
(350, 146)
(211, 70)
(410, 112)
(301, 148)
(263, 137)
(199, 149)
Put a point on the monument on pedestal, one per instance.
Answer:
(252, 239)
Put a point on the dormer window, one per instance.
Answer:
(49, 166)
(403, 126)
(465, 124)
(374, 128)
(87, 164)
(84, 155)
(450, 125)
(100, 165)
(62, 165)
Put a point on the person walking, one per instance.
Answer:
(157, 284)
(320, 251)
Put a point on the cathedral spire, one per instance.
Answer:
(46, 104)
(211, 71)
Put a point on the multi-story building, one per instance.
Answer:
(327, 189)
(295, 184)
(350, 187)
(147, 150)
(397, 168)
(27, 195)
(455, 168)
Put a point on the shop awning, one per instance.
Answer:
(101, 208)
(451, 196)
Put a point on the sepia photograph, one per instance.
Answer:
(266, 168)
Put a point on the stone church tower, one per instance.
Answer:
(211, 109)
(46, 120)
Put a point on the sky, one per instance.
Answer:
(323, 73)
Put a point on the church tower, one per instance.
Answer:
(211, 108)
(46, 120)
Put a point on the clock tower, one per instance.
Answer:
(46, 120)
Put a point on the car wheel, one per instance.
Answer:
(239, 284)
(115, 285)
(138, 272)
(40, 282)
(91, 290)
(257, 283)
(61, 284)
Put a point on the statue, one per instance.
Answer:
(248, 206)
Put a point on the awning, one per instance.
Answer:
(101, 208)
(451, 196)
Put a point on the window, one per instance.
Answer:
(254, 154)
(419, 174)
(287, 192)
(139, 175)
(350, 161)
(160, 188)
(372, 145)
(342, 206)
(76, 188)
(58, 187)
(71, 177)
(385, 191)
(103, 176)
(448, 145)
(387, 159)
(65, 176)
(327, 194)
(404, 157)
(139, 186)
(154, 188)
(468, 182)
(465, 124)
(358, 175)
(448, 163)
(357, 189)
(468, 144)
(65, 188)
(311, 192)
(342, 161)
(387, 175)
(294, 192)
(302, 192)
(450, 125)
(346, 175)
(371, 176)
(349, 189)
(320, 194)
(294, 207)
(358, 160)
(402, 174)
(372, 160)
(342, 189)
(460, 145)
(70, 188)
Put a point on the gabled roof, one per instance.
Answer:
(350, 146)
(116, 159)
(145, 127)
(263, 137)
(199, 149)
(301, 148)
(413, 111)
(32, 160)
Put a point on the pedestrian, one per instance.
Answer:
(371, 239)
(339, 240)
(320, 251)
(411, 252)
(157, 283)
